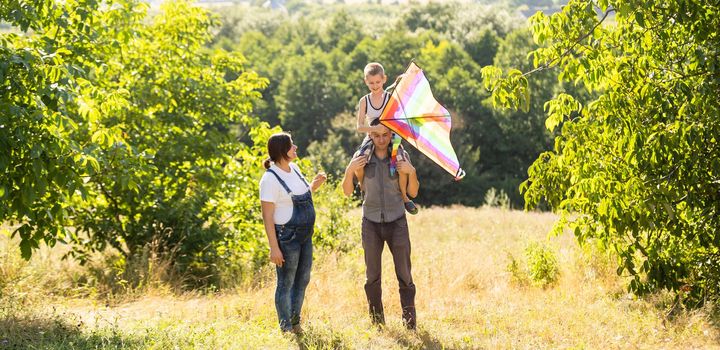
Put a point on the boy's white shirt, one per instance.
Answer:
(272, 191)
(370, 112)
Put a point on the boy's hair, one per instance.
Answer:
(374, 68)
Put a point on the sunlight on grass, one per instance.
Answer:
(465, 298)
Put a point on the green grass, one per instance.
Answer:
(466, 299)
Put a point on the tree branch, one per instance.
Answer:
(568, 50)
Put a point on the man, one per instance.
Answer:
(384, 222)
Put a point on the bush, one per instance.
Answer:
(493, 198)
(541, 267)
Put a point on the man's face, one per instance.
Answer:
(381, 139)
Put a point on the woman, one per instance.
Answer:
(289, 215)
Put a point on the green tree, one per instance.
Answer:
(342, 33)
(434, 16)
(524, 135)
(162, 181)
(119, 128)
(637, 165)
(46, 113)
(309, 96)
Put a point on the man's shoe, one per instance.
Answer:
(411, 207)
(297, 329)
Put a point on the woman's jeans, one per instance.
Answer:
(294, 275)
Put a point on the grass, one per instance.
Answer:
(466, 299)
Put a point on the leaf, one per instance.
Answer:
(26, 248)
(640, 18)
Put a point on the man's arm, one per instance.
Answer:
(356, 163)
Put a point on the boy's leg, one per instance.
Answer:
(365, 149)
(403, 183)
(403, 179)
(360, 175)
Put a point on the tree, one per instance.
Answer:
(637, 165)
(342, 33)
(309, 96)
(433, 16)
(45, 121)
(120, 129)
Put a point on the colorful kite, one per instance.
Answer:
(413, 113)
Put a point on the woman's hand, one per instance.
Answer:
(276, 256)
(318, 181)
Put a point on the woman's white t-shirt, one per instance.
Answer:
(272, 191)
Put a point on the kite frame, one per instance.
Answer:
(460, 172)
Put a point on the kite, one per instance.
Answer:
(413, 113)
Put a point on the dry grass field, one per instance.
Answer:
(467, 298)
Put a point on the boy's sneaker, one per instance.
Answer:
(411, 207)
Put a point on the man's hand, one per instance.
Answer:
(356, 163)
(404, 166)
(276, 256)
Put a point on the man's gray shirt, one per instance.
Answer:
(382, 200)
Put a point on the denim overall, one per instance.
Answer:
(295, 241)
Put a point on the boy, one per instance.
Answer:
(375, 79)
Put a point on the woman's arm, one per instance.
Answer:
(268, 210)
(318, 181)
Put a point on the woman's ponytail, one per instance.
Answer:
(278, 147)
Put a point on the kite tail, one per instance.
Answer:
(393, 154)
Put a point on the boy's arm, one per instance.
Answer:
(360, 125)
(360, 117)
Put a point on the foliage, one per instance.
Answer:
(309, 96)
(124, 129)
(542, 263)
(45, 119)
(495, 198)
(539, 267)
(636, 164)
(314, 66)
(333, 226)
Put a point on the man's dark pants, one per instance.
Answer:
(374, 237)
